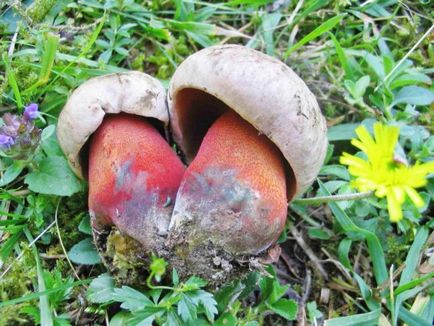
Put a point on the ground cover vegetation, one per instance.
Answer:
(356, 250)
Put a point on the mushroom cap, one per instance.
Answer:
(263, 91)
(130, 92)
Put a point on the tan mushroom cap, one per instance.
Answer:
(130, 92)
(266, 93)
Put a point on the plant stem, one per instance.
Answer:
(156, 287)
(326, 199)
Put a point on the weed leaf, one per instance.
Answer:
(53, 177)
(84, 253)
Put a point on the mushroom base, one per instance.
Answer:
(128, 261)
(191, 255)
(123, 256)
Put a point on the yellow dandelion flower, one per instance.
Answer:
(382, 173)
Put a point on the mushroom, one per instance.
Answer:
(255, 138)
(111, 132)
(247, 124)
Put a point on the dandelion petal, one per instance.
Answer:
(414, 197)
(394, 207)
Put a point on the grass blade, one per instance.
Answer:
(343, 251)
(90, 43)
(94, 36)
(48, 57)
(366, 319)
(412, 319)
(44, 304)
(37, 295)
(366, 293)
(413, 256)
(311, 7)
(268, 26)
(374, 246)
(323, 28)
(10, 75)
(411, 262)
(342, 57)
(413, 283)
(8, 245)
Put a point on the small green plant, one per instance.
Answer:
(188, 303)
(117, 39)
(183, 303)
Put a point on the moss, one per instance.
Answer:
(160, 61)
(71, 213)
(18, 281)
(39, 9)
(123, 256)
(15, 284)
(138, 60)
(12, 315)
(24, 74)
(397, 250)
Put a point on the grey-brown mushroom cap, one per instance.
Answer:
(266, 93)
(130, 92)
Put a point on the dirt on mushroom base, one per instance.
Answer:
(128, 262)
(123, 256)
(191, 255)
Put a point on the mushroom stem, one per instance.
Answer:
(234, 191)
(133, 177)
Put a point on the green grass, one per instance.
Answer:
(365, 62)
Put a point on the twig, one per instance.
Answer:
(392, 277)
(326, 199)
(72, 28)
(29, 245)
(406, 56)
(61, 242)
(338, 265)
(295, 12)
(358, 256)
(284, 275)
(5, 208)
(45, 256)
(307, 218)
(293, 34)
(298, 237)
(392, 295)
(107, 320)
(288, 266)
(306, 286)
(241, 30)
(13, 42)
(414, 11)
(20, 193)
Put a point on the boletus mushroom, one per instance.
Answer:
(254, 138)
(251, 133)
(111, 132)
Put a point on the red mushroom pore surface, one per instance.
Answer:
(235, 188)
(134, 176)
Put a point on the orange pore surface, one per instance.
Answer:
(233, 143)
(125, 151)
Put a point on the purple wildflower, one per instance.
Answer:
(19, 137)
(31, 112)
(6, 141)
